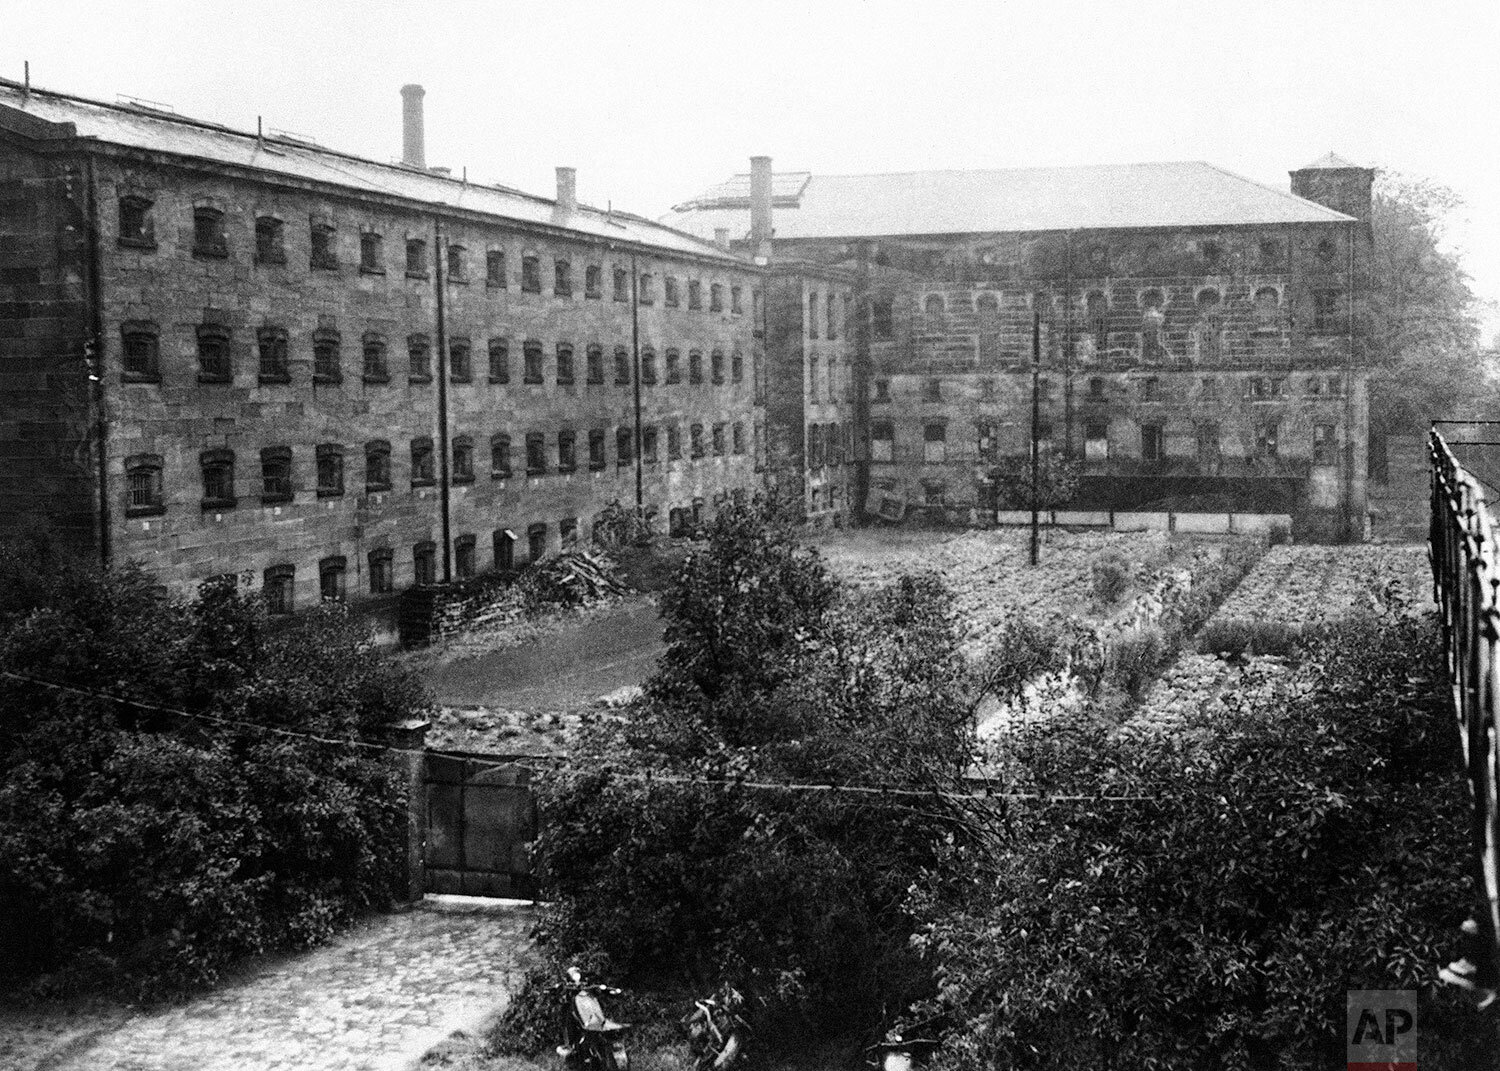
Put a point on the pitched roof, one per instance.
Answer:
(1331, 161)
(1182, 194)
(138, 126)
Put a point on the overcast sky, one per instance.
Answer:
(654, 101)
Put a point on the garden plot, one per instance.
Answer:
(1302, 586)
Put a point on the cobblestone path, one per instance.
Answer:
(375, 999)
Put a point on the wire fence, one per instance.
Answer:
(1466, 582)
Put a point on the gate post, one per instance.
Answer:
(410, 763)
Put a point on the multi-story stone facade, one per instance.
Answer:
(1194, 332)
(229, 353)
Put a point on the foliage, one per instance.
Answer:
(1056, 482)
(1311, 843)
(149, 850)
(769, 676)
(1239, 637)
(1110, 577)
(1421, 322)
(618, 526)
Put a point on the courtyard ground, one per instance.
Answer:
(376, 998)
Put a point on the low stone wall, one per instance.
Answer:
(1122, 521)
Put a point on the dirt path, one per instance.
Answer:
(377, 998)
(564, 670)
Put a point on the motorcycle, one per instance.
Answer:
(897, 1053)
(590, 1039)
(716, 1030)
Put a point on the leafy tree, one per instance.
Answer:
(1420, 316)
(1056, 481)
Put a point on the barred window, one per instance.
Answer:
(622, 366)
(595, 361)
(377, 465)
(324, 253)
(375, 367)
(422, 462)
(565, 363)
(382, 578)
(494, 268)
(276, 474)
(460, 367)
(270, 240)
(140, 361)
(331, 573)
(371, 253)
(136, 225)
(209, 239)
(532, 357)
(327, 363)
(499, 360)
(500, 456)
(143, 486)
(278, 585)
(419, 357)
(463, 459)
(330, 470)
(213, 354)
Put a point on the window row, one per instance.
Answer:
(141, 359)
(834, 314)
(210, 239)
(1148, 388)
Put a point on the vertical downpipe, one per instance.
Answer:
(1348, 524)
(439, 254)
(94, 352)
(1036, 407)
(635, 347)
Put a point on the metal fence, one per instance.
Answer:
(1466, 582)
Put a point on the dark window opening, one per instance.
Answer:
(419, 356)
(416, 258)
(1327, 311)
(331, 573)
(674, 443)
(695, 294)
(1151, 443)
(622, 366)
(330, 470)
(737, 436)
(141, 356)
(422, 468)
(463, 557)
(562, 279)
(624, 451)
(567, 451)
(596, 449)
(375, 368)
(275, 475)
(536, 542)
(592, 279)
(209, 239)
(564, 364)
(647, 289)
(649, 445)
(695, 437)
(494, 268)
(460, 363)
(504, 549)
(536, 454)
(324, 252)
(695, 367)
(382, 573)
(136, 226)
(594, 358)
(622, 285)
(715, 298)
(371, 253)
(278, 585)
(424, 563)
(500, 456)
(1324, 444)
(213, 354)
(499, 351)
(327, 364)
(737, 367)
(458, 264)
(531, 273)
(669, 292)
(882, 319)
(143, 486)
(463, 459)
(735, 305)
(718, 440)
(674, 367)
(531, 354)
(648, 367)
(716, 366)
(377, 465)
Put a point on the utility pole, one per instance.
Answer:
(1036, 411)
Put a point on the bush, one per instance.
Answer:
(1237, 637)
(1312, 844)
(1110, 577)
(146, 850)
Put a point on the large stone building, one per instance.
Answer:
(227, 351)
(1194, 328)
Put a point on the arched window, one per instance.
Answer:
(140, 361)
(1210, 329)
(375, 367)
(1267, 307)
(276, 474)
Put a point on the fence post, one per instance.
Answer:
(409, 759)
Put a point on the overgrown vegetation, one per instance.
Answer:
(145, 851)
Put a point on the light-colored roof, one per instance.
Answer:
(139, 127)
(1331, 161)
(1185, 194)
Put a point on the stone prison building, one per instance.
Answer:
(225, 351)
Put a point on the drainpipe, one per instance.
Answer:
(442, 397)
(94, 351)
(635, 347)
(1348, 451)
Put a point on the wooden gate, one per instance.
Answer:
(481, 820)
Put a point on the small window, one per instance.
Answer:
(815, 451)
(536, 453)
(695, 438)
(458, 264)
(324, 251)
(624, 447)
(932, 390)
(278, 585)
(463, 557)
(143, 486)
(1324, 444)
(531, 273)
(737, 437)
(1151, 389)
(1209, 389)
(424, 563)
(1096, 389)
(695, 294)
(209, 239)
(327, 364)
(500, 360)
(377, 465)
(567, 451)
(567, 532)
(594, 359)
(270, 240)
(934, 493)
(500, 456)
(649, 446)
(934, 443)
(372, 347)
(460, 362)
(1212, 252)
(494, 268)
(830, 319)
(218, 479)
(716, 366)
(422, 469)
(812, 315)
(812, 379)
(882, 319)
(536, 542)
(622, 366)
(504, 548)
(674, 367)
(1327, 318)
(330, 470)
(882, 390)
(1267, 308)
(140, 360)
(882, 441)
(371, 253)
(1206, 434)
(1151, 443)
(718, 440)
(562, 279)
(669, 296)
(1326, 250)
(382, 575)
(596, 449)
(737, 367)
(1267, 434)
(715, 298)
(213, 354)
(1096, 440)
(674, 443)
(532, 358)
(136, 226)
(275, 475)
(416, 258)
(463, 459)
(648, 288)
(695, 367)
(933, 309)
(331, 573)
(1271, 253)
(565, 363)
(592, 281)
(622, 285)
(735, 306)
(648, 367)
(419, 354)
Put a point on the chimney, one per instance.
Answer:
(567, 190)
(760, 206)
(413, 140)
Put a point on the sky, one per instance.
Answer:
(654, 101)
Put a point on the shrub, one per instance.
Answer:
(147, 851)
(1237, 637)
(1110, 578)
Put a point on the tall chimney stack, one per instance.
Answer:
(567, 190)
(760, 206)
(413, 139)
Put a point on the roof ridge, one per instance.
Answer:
(1287, 194)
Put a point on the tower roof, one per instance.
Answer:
(1332, 161)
